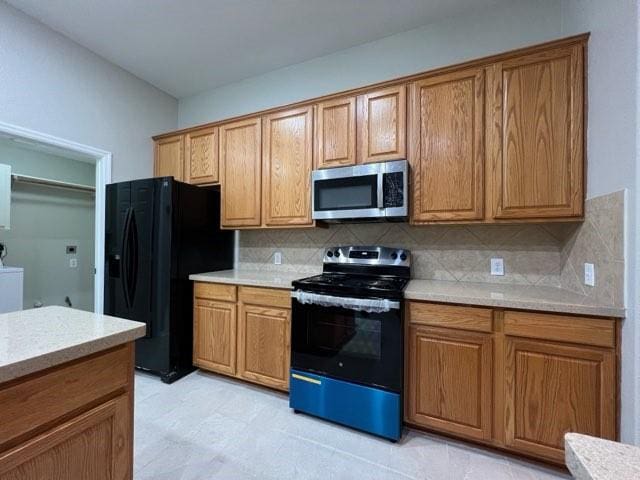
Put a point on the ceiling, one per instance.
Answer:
(187, 46)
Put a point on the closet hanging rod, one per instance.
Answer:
(52, 183)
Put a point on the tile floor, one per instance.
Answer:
(208, 427)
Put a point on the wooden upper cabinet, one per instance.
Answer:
(201, 154)
(169, 157)
(263, 345)
(447, 146)
(554, 388)
(214, 325)
(382, 121)
(240, 173)
(335, 133)
(537, 105)
(288, 160)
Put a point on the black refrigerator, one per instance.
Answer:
(158, 232)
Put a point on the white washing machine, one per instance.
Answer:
(11, 285)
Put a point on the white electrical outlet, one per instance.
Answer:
(277, 258)
(73, 263)
(497, 266)
(589, 274)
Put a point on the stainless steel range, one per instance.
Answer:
(347, 339)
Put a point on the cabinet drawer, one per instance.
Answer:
(599, 332)
(215, 291)
(44, 398)
(451, 316)
(268, 297)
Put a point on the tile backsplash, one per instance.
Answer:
(599, 240)
(544, 254)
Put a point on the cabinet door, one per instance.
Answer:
(288, 161)
(263, 345)
(449, 381)
(447, 146)
(537, 135)
(382, 120)
(551, 389)
(214, 339)
(202, 156)
(169, 161)
(335, 139)
(241, 169)
(93, 446)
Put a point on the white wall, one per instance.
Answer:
(52, 85)
(612, 151)
(444, 43)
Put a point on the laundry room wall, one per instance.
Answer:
(44, 221)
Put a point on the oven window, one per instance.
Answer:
(346, 193)
(353, 335)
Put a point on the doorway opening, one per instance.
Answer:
(55, 233)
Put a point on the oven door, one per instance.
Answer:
(347, 343)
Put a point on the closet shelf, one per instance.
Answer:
(52, 183)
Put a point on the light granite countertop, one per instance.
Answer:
(591, 458)
(253, 278)
(40, 338)
(526, 297)
(545, 299)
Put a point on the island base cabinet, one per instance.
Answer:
(552, 389)
(70, 422)
(92, 446)
(450, 381)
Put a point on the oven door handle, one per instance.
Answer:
(370, 305)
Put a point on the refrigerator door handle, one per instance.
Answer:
(132, 258)
(125, 258)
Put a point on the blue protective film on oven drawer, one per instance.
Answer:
(366, 408)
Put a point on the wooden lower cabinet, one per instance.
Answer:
(450, 381)
(553, 388)
(215, 335)
(518, 381)
(243, 332)
(264, 345)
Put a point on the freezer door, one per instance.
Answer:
(118, 205)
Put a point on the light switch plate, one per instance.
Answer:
(277, 258)
(497, 266)
(73, 263)
(589, 274)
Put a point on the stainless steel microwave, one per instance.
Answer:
(372, 192)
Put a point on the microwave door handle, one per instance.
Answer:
(380, 190)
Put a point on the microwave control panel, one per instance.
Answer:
(393, 189)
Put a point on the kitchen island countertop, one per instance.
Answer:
(37, 339)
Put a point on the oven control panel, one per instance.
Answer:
(368, 255)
